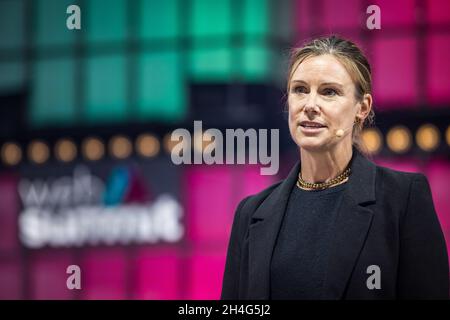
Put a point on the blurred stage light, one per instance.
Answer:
(93, 149)
(147, 145)
(399, 139)
(372, 140)
(120, 147)
(168, 143)
(38, 151)
(427, 137)
(447, 135)
(65, 150)
(11, 154)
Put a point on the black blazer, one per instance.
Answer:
(386, 218)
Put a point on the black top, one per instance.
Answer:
(300, 256)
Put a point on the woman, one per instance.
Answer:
(338, 227)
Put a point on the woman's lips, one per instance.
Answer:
(311, 129)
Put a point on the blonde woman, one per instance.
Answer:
(339, 226)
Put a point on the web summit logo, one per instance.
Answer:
(82, 210)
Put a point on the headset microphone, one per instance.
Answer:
(340, 132)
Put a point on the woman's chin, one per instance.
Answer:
(312, 144)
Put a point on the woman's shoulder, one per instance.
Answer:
(252, 202)
(397, 177)
(401, 187)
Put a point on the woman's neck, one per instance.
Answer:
(323, 166)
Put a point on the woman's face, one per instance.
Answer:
(321, 101)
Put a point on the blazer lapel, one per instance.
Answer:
(352, 224)
(351, 227)
(263, 231)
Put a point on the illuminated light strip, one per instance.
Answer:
(398, 139)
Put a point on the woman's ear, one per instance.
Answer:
(365, 106)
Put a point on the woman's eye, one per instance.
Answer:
(330, 92)
(299, 89)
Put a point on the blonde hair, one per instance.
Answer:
(354, 61)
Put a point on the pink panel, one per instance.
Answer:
(438, 11)
(303, 18)
(213, 193)
(9, 209)
(206, 275)
(396, 13)
(210, 193)
(48, 275)
(394, 71)
(158, 274)
(398, 164)
(10, 280)
(438, 173)
(438, 71)
(254, 182)
(337, 15)
(104, 274)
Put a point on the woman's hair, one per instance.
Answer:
(354, 61)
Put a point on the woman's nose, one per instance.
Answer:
(311, 103)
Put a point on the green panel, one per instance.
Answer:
(256, 62)
(106, 20)
(161, 91)
(11, 24)
(11, 76)
(106, 89)
(159, 19)
(50, 22)
(256, 17)
(213, 64)
(53, 93)
(210, 18)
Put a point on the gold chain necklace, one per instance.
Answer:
(323, 185)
